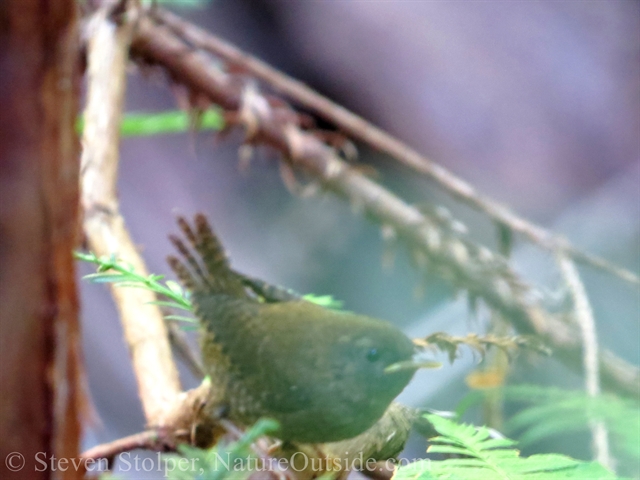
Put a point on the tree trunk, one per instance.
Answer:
(39, 163)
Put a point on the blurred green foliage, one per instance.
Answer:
(172, 121)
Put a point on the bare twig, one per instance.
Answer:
(104, 227)
(466, 265)
(358, 128)
(583, 315)
(147, 440)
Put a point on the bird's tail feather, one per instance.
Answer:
(204, 267)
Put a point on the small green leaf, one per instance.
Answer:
(173, 121)
(181, 318)
(104, 277)
(163, 303)
(326, 301)
(123, 275)
(174, 287)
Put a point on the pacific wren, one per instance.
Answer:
(319, 372)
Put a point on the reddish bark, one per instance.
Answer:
(39, 163)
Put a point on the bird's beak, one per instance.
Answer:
(411, 365)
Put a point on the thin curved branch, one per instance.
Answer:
(147, 440)
(583, 315)
(358, 128)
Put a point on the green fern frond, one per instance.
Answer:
(234, 461)
(555, 411)
(110, 270)
(487, 458)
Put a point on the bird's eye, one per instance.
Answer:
(373, 355)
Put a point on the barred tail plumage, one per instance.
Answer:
(205, 269)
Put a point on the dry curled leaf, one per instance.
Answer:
(480, 343)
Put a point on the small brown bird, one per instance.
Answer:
(319, 372)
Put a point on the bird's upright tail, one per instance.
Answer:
(205, 269)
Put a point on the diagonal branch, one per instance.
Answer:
(358, 128)
(464, 264)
